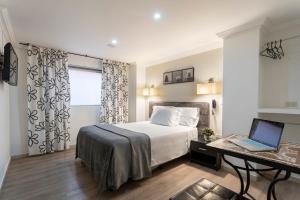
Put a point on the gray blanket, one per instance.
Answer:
(114, 155)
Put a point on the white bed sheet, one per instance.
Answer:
(167, 143)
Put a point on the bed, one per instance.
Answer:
(116, 153)
(167, 143)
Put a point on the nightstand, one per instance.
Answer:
(200, 154)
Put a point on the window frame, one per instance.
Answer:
(83, 68)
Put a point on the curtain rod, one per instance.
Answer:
(85, 68)
(77, 54)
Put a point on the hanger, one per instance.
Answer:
(276, 50)
(280, 48)
(267, 52)
(272, 50)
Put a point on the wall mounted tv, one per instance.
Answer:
(10, 65)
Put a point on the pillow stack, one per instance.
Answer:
(189, 116)
(165, 115)
(174, 116)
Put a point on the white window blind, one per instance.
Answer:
(85, 87)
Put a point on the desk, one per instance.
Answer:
(287, 160)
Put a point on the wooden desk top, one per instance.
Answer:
(288, 154)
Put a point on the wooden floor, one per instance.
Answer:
(59, 176)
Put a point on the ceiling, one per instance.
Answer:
(87, 26)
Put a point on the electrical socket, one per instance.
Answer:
(291, 104)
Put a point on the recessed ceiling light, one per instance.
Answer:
(156, 16)
(114, 42)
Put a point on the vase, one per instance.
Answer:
(207, 138)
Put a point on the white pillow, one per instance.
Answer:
(189, 116)
(165, 116)
(155, 108)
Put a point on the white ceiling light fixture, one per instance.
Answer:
(114, 42)
(156, 16)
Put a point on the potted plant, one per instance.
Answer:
(207, 134)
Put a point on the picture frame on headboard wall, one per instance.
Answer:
(179, 76)
(168, 78)
(188, 75)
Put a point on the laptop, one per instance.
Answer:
(264, 136)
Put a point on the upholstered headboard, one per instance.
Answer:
(204, 110)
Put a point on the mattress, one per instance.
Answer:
(167, 143)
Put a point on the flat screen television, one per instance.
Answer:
(10, 65)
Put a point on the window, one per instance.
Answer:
(85, 86)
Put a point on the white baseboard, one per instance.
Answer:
(243, 173)
(72, 146)
(19, 156)
(2, 179)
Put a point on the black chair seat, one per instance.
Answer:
(207, 190)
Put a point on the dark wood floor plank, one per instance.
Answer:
(59, 176)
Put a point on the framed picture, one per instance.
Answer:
(167, 78)
(177, 76)
(188, 75)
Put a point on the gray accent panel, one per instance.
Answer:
(204, 110)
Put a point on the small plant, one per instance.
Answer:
(207, 133)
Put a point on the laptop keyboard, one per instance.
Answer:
(251, 144)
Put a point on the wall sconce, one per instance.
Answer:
(147, 92)
(209, 88)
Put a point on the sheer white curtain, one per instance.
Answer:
(48, 93)
(114, 92)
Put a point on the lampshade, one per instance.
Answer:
(207, 88)
(152, 91)
(149, 91)
(146, 92)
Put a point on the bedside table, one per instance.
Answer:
(200, 154)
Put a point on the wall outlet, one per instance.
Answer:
(291, 104)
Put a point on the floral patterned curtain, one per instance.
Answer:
(114, 92)
(48, 92)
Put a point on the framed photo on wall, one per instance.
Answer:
(188, 75)
(177, 76)
(167, 78)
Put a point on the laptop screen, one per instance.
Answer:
(266, 132)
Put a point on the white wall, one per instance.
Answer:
(241, 81)
(132, 90)
(82, 116)
(140, 99)
(18, 109)
(241, 76)
(4, 111)
(81, 61)
(281, 78)
(206, 65)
